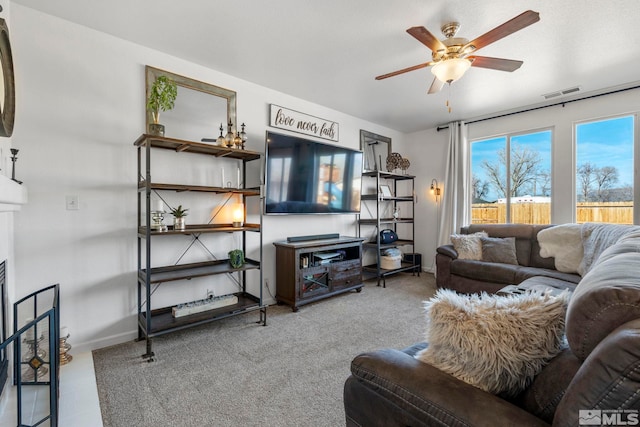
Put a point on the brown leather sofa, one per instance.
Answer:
(599, 370)
(470, 276)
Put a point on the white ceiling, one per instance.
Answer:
(329, 51)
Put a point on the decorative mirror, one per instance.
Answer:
(7, 83)
(375, 149)
(196, 113)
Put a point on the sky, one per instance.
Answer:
(602, 143)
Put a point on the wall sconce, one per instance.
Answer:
(435, 189)
(237, 215)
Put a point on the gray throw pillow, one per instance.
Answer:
(502, 250)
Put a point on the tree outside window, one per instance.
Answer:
(521, 195)
(604, 170)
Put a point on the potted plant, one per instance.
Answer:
(162, 96)
(178, 217)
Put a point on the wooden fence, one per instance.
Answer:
(540, 213)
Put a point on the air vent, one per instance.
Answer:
(561, 92)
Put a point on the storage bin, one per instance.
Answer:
(390, 262)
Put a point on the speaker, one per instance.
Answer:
(410, 257)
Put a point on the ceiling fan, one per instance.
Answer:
(452, 56)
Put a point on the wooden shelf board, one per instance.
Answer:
(404, 266)
(162, 320)
(201, 228)
(399, 242)
(198, 269)
(373, 221)
(180, 145)
(388, 175)
(201, 188)
(387, 199)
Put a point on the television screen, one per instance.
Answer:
(308, 177)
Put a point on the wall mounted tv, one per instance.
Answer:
(308, 177)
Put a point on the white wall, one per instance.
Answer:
(427, 152)
(80, 106)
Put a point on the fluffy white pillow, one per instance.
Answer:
(564, 243)
(498, 343)
(468, 246)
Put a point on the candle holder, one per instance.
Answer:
(65, 357)
(229, 136)
(34, 359)
(243, 136)
(14, 157)
(158, 217)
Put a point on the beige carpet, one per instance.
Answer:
(236, 373)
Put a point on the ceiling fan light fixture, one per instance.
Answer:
(450, 70)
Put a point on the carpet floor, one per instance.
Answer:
(236, 373)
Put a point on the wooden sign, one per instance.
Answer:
(296, 121)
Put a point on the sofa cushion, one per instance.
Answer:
(536, 260)
(522, 232)
(525, 273)
(609, 378)
(468, 246)
(499, 249)
(484, 271)
(608, 296)
(494, 342)
(546, 391)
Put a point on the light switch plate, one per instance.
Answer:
(72, 203)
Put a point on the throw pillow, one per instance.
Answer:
(468, 245)
(495, 249)
(564, 243)
(498, 343)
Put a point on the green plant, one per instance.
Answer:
(179, 212)
(162, 96)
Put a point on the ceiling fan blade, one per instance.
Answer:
(519, 22)
(436, 86)
(426, 38)
(404, 70)
(495, 63)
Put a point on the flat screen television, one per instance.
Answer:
(308, 177)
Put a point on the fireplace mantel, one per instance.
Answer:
(12, 194)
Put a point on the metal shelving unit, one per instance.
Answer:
(158, 321)
(380, 222)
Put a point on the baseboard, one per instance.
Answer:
(103, 342)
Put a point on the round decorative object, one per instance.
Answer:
(7, 105)
(393, 161)
(404, 164)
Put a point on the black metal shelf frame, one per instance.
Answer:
(154, 322)
(379, 222)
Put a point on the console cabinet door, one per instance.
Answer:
(313, 281)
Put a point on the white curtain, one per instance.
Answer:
(456, 196)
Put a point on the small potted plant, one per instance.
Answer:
(162, 96)
(178, 217)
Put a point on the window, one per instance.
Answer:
(523, 195)
(604, 170)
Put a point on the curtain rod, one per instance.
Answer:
(443, 127)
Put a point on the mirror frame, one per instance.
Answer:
(152, 73)
(367, 142)
(8, 108)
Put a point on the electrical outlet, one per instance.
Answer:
(72, 203)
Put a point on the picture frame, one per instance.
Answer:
(375, 150)
(385, 190)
